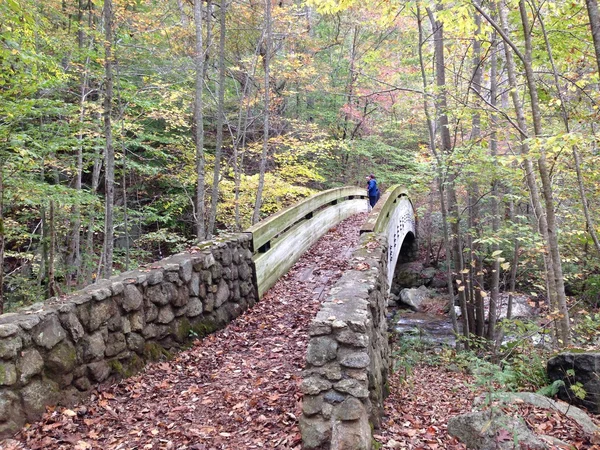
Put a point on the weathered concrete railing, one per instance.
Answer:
(347, 360)
(280, 240)
(57, 351)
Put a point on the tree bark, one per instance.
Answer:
(546, 183)
(441, 106)
(494, 287)
(220, 112)
(264, 154)
(2, 239)
(109, 153)
(594, 16)
(439, 179)
(52, 286)
(199, 123)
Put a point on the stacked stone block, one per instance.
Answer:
(344, 383)
(57, 351)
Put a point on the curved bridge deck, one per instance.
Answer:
(234, 389)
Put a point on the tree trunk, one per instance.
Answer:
(109, 153)
(220, 112)
(264, 154)
(592, 9)
(441, 106)
(199, 123)
(2, 237)
(546, 183)
(494, 287)
(52, 287)
(477, 283)
(439, 179)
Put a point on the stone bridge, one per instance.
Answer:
(57, 351)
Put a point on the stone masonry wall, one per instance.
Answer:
(59, 350)
(345, 380)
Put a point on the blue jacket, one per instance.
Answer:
(372, 189)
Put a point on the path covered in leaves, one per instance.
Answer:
(236, 389)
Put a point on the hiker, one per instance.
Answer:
(373, 190)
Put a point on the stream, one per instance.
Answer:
(430, 328)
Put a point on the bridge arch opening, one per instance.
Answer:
(408, 253)
(408, 250)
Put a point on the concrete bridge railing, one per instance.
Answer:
(345, 380)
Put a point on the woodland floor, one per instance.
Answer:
(239, 388)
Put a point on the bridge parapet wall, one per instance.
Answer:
(348, 355)
(57, 351)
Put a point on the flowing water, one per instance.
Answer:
(430, 328)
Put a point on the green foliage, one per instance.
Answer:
(552, 389)
(586, 330)
(578, 390)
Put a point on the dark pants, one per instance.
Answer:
(373, 200)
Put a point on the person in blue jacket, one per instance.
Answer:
(372, 189)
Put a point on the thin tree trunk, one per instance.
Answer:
(546, 183)
(241, 136)
(441, 106)
(513, 267)
(592, 9)
(199, 123)
(74, 255)
(351, 79)
(2, 239)
(220, 112)
(477, 326)
(263, 157)
(52, 287)
(109, 153)
(89, 252)
(495, 284)
(439, 180)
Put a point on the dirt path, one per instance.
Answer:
(236, 389)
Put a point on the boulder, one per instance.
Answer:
(484, 430)
(414, 298)
(572, 368)
(408, 275)
(521, 309)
